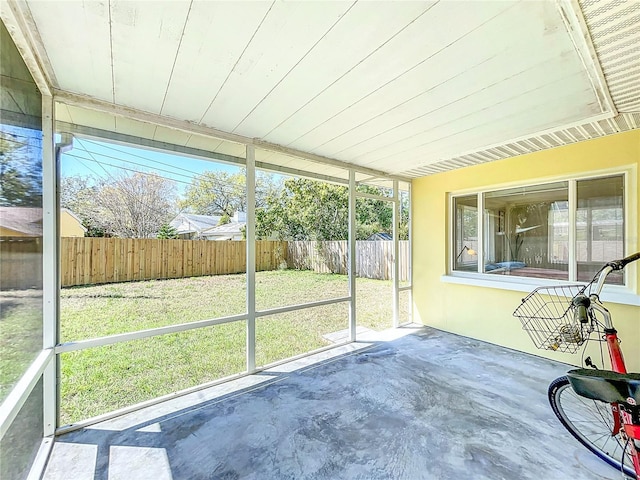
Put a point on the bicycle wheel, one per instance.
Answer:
(591, 423)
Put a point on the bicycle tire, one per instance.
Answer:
(596, 422)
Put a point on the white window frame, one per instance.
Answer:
(623, 294)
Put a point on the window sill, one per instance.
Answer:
(612, 294)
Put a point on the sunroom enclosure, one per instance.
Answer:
(513, 129)
(30, 413)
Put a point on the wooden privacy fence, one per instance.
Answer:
(373, 259)
(88, 261)
(20, 263)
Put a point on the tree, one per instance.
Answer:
(305, 210)
(167, 232)
(20, 168)
(372, 216)
(215, 193)
(222, 193)
(78, 194)
(311, 210)
(137, 205)
(129, 206)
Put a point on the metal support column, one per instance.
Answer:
(573, 232)
(396, 250)
(410, 259)
(251, 258)
(50, 271)
(352, 255)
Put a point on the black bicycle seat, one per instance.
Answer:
(606, 386)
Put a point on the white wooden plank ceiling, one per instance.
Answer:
(408, 88)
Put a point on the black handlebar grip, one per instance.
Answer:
(620, 264)
(581, 303)
(581, 314)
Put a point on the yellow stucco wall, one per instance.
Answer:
(486, 313)
(70, 226)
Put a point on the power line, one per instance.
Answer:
(122, 168)
(138, 156)
(151, 174)
(87, 166)
(83, 148)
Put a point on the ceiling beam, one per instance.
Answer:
(326, 160)
(84, 101)
(91, 133)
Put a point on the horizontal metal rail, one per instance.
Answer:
(183, 327)
(292, 308)
(139, 334)
(21, 391)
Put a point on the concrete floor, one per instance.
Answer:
(423, 404)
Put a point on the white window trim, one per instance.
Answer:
(610, 293)
(626, 295)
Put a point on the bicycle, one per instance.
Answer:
(600, 408)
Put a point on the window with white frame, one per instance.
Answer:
(564, 230)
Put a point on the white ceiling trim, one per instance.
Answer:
(83, 101)
(578, 31)
(552, 139)
(540, 134)
(25, 36)
(611, 31)
(184, 126)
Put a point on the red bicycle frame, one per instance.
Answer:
(615, 354)
(621, 419)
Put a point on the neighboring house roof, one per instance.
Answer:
(381, 236)
(228, 231)
(189, 223)
(25, 221)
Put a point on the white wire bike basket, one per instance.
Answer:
(548, 317)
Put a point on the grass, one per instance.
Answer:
(20, 334)
(101, 379)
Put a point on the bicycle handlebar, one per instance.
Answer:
(613, 266)
(620, 264)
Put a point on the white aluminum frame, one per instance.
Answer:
(20, 392)
(91, 133)
(43, 366)
(409, 287)
(51, 261)
(395, 201)
(251, 258)
(251, 314)
(352, 256)
(46, 365)
(396, 249)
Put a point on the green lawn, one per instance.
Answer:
(20, 334)
(99, 380)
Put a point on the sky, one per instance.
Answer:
(91, 158)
